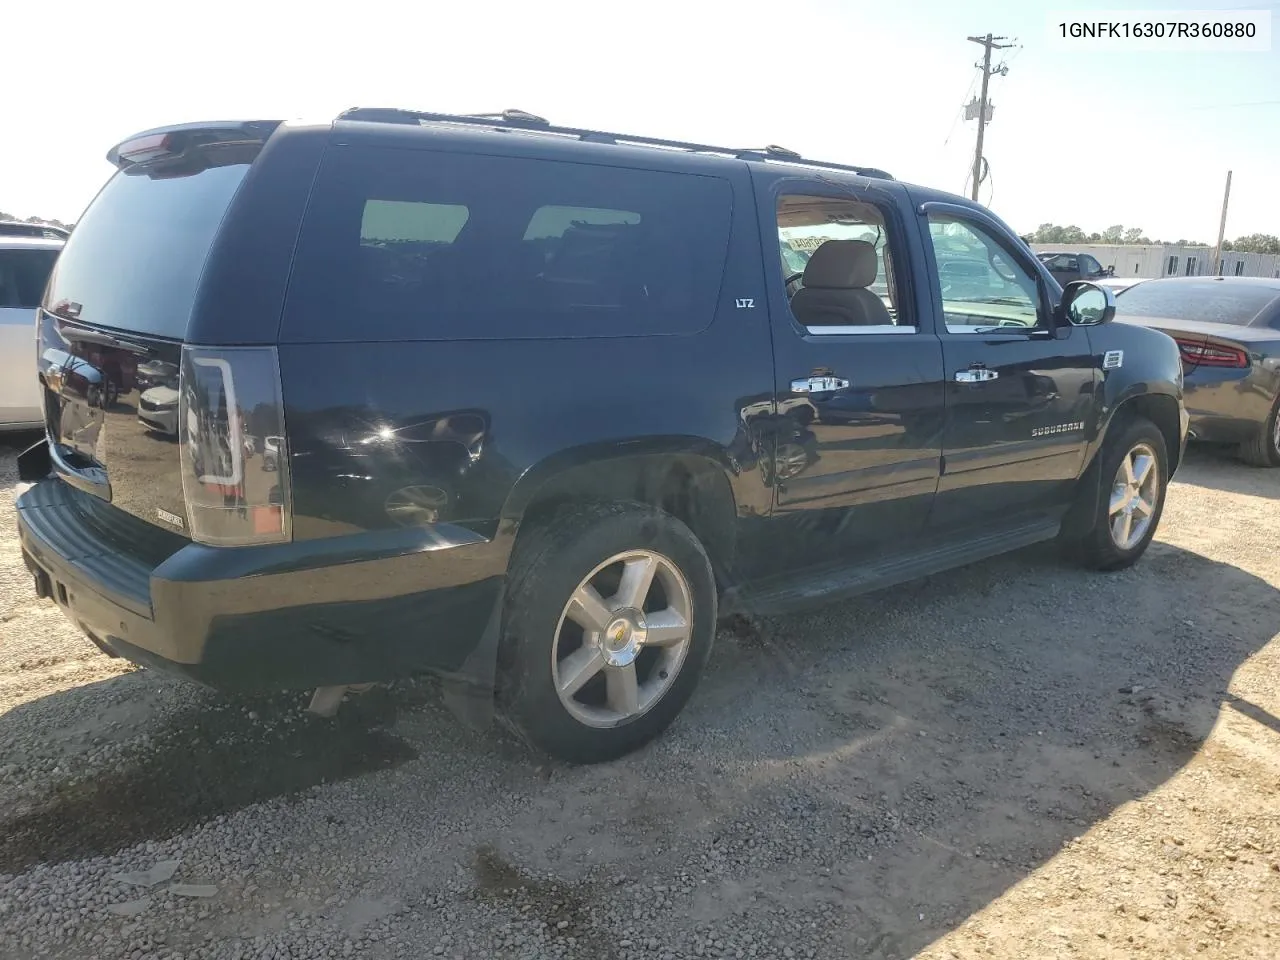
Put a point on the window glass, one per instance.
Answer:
(1090, 265)
(1210, 300)
(398, 221)
(1172, 267)
(407, 244)
(1239, 268)
(135, 258)
(982, 285)
(23, 274)
(850, 286)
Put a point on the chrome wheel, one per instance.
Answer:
(622, 638)
(1134, 495)
(1275, 434)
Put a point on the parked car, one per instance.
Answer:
(1228, 332)
(548, 407)
(44, 231)
(1068, 267)
(1118, 284)
(158, 409)
(25, 264)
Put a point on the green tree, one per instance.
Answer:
(1135, 235)
(1255, 243)
(1113, 233)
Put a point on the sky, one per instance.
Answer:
(1091, 138)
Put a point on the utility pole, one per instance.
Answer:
(1222, 229)
(988, 43)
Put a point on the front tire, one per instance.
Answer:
(1263, 448)
(1134, 465)
(610, 617)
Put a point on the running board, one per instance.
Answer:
(817, 585)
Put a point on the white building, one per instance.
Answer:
(1170, 260)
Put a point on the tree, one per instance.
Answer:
(1135, 235)
(1094, 238)
(1048, 233)
(1072, 234)
(1255, 243)
(1113, 233)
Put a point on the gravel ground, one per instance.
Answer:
(1018, 759)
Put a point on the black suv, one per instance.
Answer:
(532, 407)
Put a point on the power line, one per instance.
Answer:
(959, 113)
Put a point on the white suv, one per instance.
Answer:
(25, 264)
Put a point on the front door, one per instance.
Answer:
(1020, 393)
(858, 380)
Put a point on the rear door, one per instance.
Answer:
(116, 313)
(24, 270)
(1020, 394)
(858, 373)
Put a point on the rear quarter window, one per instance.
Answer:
(417, 245)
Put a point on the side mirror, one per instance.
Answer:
(1086, 304)
(1110, 271)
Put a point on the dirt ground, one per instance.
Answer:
(1018, 759)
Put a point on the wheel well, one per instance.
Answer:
(690, 488)
(1163, 412)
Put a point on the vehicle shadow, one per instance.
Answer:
(949, 737)
(1218, 468)
(881, 769)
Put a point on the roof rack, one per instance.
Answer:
(522, 120)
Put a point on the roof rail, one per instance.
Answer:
(522, 120)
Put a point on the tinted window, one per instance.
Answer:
(23, 274)
(1210, 300)
(407, 244)
(134, 259)
(869, 302)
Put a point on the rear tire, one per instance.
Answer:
(589, 681)
(1263, 448)
(1134, 468)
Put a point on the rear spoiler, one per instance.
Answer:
(164, 144)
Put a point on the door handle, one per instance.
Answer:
(976, 374)
(818, 385)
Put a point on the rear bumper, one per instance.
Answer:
(1227, 406)
(367, 607)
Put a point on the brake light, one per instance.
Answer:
(229, 404)
(1196, 353)
(145, 148)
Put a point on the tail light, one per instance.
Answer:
(1196, 353)
(230, 402)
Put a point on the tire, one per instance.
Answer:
(551, 562)
(1100, 548)
(1263, 448)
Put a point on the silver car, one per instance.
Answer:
(25, 264)
(1228, 332)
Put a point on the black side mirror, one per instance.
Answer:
(1086, 304)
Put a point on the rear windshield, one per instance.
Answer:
(134, 259)
(23, 274)
(1211, 301)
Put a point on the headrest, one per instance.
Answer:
(841, 265)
